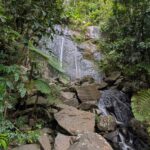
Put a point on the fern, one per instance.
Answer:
(141, 105)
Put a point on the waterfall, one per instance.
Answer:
(116, 103)
(61, 52)
(77, 64)
(62, 48)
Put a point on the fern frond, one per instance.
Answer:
(141, 105)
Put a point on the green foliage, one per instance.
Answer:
(141, 105)
(3, 141)
(11, 87)
(42, 86)
(9, 132)
(22, 22)
(127, 40)
(89, 12)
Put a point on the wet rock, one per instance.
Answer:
(112, 77)
(88, 93)
(28, 147)
(90, 141)
(139, 128)
(75, 121)
(112, 136)
(62, 142)
(93, 32)
(102, 85)
(45, 142)
(117, 103)
(119, 81)
(127, 87)
(89, 105)
(106, 123)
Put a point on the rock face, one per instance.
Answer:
(88, 93)
(107, 123)
(62, 142)
(28, 147)
(88, 47)
(70, 56)
(75, 121)
(91, 141)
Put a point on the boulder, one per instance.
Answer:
(107, 123)
(69, 98)
(45, 142)
(28, 147)
(89, 105)
(102, 85)
(90, 141)
(88, 93)
(61, 107)
(62, 142)
(93, 32)
(112, 136)
(75, 121)
(67, 95)
(112, 77)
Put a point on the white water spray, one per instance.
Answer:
(62, 48)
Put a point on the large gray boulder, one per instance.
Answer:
(88, 92)
(91, 141)
(75, 121)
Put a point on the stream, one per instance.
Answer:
(112, 102)
(117, 104)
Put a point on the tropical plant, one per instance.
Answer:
(3, 141)
(127, 40)
(22, 22)
(88, 12)
(141, 105)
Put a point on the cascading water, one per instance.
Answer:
(69, 55)
(62, 48)
(116, 103)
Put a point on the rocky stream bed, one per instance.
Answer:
(94, 112)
